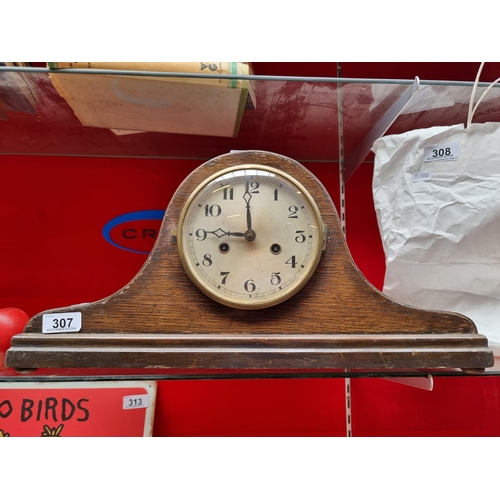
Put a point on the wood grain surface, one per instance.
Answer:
(338, 319)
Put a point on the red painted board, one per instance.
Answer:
(448, 71)
(458, 406)
(54, 209)
(53, 253)
(278, 407)
(76, 229)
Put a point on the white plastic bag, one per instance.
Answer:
(437, 199)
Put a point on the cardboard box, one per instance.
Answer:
(198, 106)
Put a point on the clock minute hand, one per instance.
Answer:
(249, 233)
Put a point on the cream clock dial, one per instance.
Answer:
(250, 236)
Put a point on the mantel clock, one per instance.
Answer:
(250, 270)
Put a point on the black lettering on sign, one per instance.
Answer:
(68, 409)
(51, 404)
(129, 233)
(5, 408)
(26, 411)
(50, 409)
(85, 410)
(39, 412)
(150, 233)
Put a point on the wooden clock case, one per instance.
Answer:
(337, 321)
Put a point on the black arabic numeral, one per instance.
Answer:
(275, 279)
(441, 152)
(250, 286)
(228, 194)
(293, 212)
(275, 192)
(207, 260)
(213, 210)
(61, 322)
(300, 238)
(292, 261)
(225, 274)
(201, 234)
(253, 187)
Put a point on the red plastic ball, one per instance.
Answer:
(12, 322)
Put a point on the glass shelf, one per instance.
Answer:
(308, 119)
(294, 116)
(75, 374)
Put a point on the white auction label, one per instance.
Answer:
(132, 402)
(422, 176)
(62, 322)
(441, 152)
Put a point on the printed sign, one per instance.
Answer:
(77, 409)
(135, 232)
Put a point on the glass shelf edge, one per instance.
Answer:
(27, 378)
(176, 158)
(312, 79)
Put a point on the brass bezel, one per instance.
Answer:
(239, 303)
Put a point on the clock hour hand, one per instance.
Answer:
(220, 233)
(249, 233)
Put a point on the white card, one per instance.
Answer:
(441, 152)
(132, 402)
(422, 176)
(62, 322)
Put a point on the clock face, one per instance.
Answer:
(250, 236)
